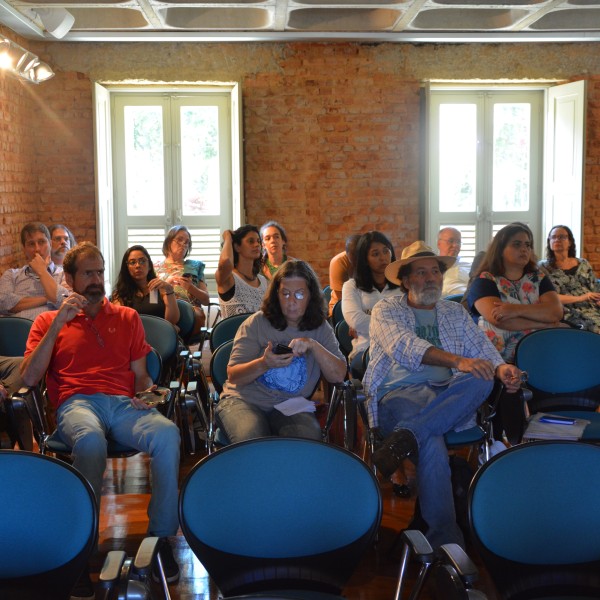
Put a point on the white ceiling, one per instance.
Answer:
(288, 20)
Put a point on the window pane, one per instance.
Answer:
(144, 170)
(458, 156)
(200, 160)
(511, 161)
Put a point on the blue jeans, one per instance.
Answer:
(84, 422)
(243, 421)
(430, 412)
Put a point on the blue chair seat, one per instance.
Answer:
(466, 437)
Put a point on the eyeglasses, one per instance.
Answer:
(452, 241)
(560, 237)
(517, 245)
(181, 242)
(137, 261)
(298, 294)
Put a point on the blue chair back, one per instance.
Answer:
(225, 330)
(162, 336)
(560, 360)
(342, 333)
(154, 365)
(13, 335)
(336, 314)
(290, 512)
(48, 528)
(327, 294)
(533, 510)
(218, 365)
(186, 318)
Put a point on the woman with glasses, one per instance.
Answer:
(139, 288)
(510, 295)
(184, 274)
(278, 357)
(374, 252)
(573, 278)
(240, 284)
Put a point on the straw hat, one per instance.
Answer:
(415, 251)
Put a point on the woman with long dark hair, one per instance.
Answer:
(511, 296)
(278, 354)
(139, 288)
(240, 284)
(573, 278)
(274, 239)
(374, 252)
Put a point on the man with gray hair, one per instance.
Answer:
(456, 277)
(430, 369)
(36, 287)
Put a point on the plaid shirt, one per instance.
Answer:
(393, 338)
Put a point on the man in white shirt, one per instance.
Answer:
(36, 287)
(456, 277)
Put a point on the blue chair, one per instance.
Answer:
(162, 336)
(292, 515)
(336, 314)
(327, 294)
(14, 332)
(563, 374)
(533, 512)
(225, 330)
(342, 334)
(48, 529)
(52, 442)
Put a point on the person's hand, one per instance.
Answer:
(139, 403)
(478, 367)
(511, 376)
(72, 306)
(503, 311)
(592, 297)
(184, 282)
(227, 235)
(301, 346)
(38, 264)
(352, 333)
(161, 285)
(276, 361)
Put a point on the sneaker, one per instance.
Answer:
(84, 588)
(170, 566)
(394, 449)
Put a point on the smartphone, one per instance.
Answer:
(557, 420)
(282, 349)
(154, 397)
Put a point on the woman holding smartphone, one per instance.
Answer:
(185, 275)
(280, 353)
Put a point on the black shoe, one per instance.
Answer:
(395, 448)
(84, 588)
(169, 564)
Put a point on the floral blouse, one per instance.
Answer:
(526, 290)
(575, 282)
(194, 267)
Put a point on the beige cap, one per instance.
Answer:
(415, 251)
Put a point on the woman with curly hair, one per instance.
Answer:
(139, 288)
(510, 295)
(573, 278)
(280, 353)
(240, 285)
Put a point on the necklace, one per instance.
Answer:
(250, 279)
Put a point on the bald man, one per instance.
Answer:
(456, 277)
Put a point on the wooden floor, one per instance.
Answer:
(123, 523)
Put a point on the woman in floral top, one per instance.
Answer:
(510, 295)
(573, 279)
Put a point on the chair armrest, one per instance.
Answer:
(419, 546)
(111, 569)
(460, 560)
(142, 563)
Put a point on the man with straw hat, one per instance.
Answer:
(430, 369)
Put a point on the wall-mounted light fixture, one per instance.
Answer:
(22, 63)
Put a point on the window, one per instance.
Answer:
(175, 158)
(486, 151)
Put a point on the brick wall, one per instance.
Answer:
(331, 131)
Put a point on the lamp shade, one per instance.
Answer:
(56, 21)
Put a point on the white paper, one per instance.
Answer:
(153, 297)
(552, 431)
(293, 406)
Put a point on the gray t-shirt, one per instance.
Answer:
(276, 385)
